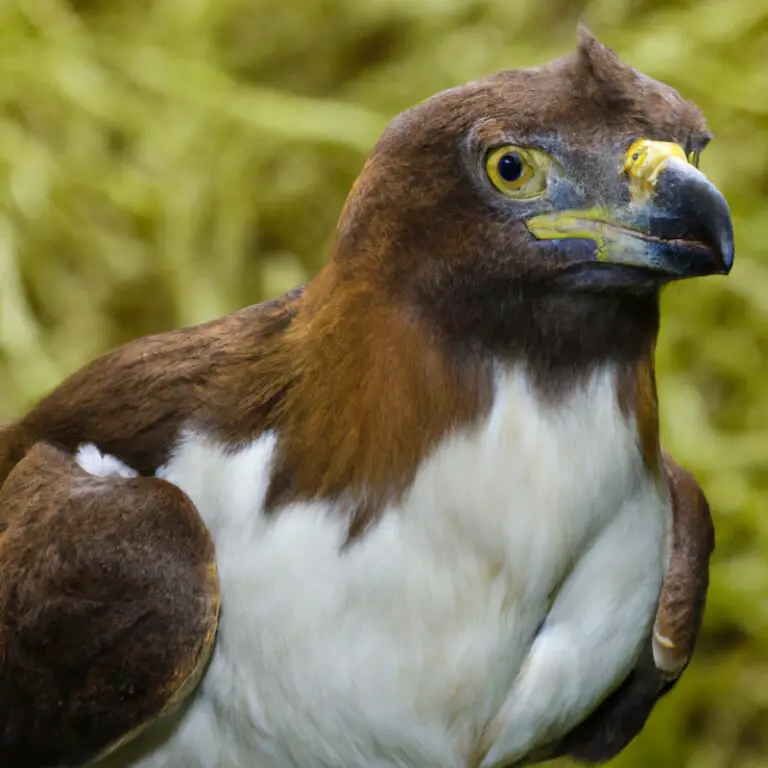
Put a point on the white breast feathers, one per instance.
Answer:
(506, 594)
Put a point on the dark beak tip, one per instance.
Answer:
(719, 261)
(690, 200)
(727, 264)
(726, 249)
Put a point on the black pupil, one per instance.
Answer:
(510, 167)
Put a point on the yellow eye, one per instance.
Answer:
(516, 172)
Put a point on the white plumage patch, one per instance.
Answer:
(402, 649)
(99, 464)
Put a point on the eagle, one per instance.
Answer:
(413, 513)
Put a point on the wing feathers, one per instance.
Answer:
(108, 608)
(685, 588)
(621, 717)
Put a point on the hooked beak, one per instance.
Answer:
(676, 225)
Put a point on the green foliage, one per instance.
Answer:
(165, 161)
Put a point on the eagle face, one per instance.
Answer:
(555, 183)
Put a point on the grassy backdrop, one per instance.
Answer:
(165, 161)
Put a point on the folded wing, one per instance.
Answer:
(109, 602)
(613, 725)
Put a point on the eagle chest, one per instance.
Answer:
(410, 642)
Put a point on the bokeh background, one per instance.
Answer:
(166, 161)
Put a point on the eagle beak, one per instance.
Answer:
(677, 223)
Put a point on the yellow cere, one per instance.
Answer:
(615, 241)
(644, 161)
(533, 178)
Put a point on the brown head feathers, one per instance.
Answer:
(433, 280)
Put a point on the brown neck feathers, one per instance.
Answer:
(373, 394)
(636, 392)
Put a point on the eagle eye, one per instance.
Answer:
(517, 172)
(510, 167)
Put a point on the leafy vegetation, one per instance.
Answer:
(165, 161)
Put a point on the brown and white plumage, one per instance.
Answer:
(432, 476)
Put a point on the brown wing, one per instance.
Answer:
(109, 604)
(108, 590)
(132, 401)
(622, 716)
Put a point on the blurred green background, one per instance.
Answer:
(166, 161)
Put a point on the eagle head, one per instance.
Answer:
(539, 205)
